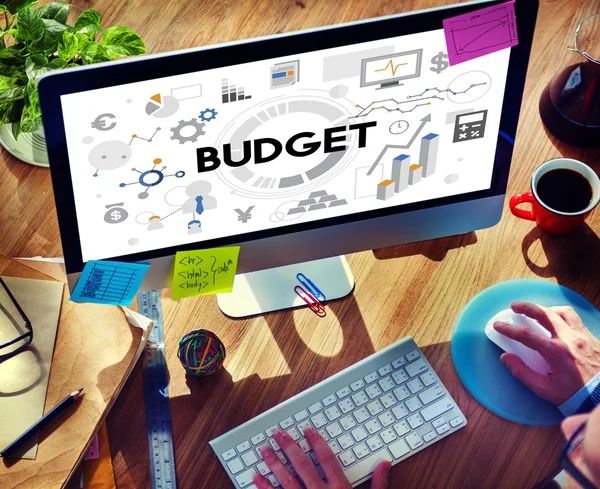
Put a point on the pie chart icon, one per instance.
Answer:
(162, 106)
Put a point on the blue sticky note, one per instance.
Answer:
(109, 282)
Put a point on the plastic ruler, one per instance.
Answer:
(156, 396)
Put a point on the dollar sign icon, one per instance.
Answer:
(115, 215)
(439, 62)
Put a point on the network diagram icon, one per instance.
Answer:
(151, 178)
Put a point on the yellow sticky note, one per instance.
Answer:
(204, 272)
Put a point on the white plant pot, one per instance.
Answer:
(30, 147)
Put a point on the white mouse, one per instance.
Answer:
(530, 357)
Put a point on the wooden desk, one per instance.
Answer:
(417, 289)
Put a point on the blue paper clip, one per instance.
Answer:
(310, 286)
(311, 300)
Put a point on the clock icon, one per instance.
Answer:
(398, 127)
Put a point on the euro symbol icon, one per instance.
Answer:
(100, 122)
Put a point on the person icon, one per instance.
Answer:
(194, 227)
(154, 223)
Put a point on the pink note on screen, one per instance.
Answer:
(481, 32)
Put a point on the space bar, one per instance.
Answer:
(366, 466)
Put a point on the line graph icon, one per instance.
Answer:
(392, 67)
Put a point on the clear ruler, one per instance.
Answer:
(156, 396)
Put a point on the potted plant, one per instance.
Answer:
(36, 41)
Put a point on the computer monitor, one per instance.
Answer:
(227, 145)
(389, 69)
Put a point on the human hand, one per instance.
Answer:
(572, 351)
(305, 468)
(585, 457)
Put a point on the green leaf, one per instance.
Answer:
(35, 66)
(87, 17)
(67, 46)
(12, 94)
(11, 56)
(93, 53)
(58, 11)
(15, 6)
(89, 31)
(121, 41)
(54, 31)
(30, 25)
(5, 110)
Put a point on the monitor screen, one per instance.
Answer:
(262, 146)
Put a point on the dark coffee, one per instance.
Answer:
(564, 190)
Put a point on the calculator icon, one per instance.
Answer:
(469, 126)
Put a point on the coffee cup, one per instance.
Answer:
(563, 193)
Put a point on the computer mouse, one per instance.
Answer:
(530, 357)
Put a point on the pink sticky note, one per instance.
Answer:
(481, 32)
(93, 452)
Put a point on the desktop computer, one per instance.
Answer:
(228, 145)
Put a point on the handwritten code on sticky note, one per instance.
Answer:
(109, 282)
(204, 272)
(481, 32)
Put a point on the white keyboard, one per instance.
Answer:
(388, 406)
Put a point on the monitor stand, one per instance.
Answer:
(273, 289)
(392, 84)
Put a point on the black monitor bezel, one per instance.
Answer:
(54, 85)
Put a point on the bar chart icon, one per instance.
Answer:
(231, 92)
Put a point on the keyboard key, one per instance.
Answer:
(249, 459)
(386, 369)
(388, 400)
(412, 355)
(399, 362)
(245, 478)
(373, 426)
(431, 394)
(343, 392)
(347, 422)
(375, 408)
(361, 450)
(242, 447)
(271, 431)
(347, 458)
(427, 437)
(274, 445)
(374, 443)
(324, 435)
(301, 415)
(416, 368)
(228, 455)
(400, 411)
(437, 408)
(415, 386)
(456, 422)
(359, 434)
(386, 384)
(263, 468)
(373, 391)
(359, 384)
(315, 408)
(303, 444)
(334, 430)
(413, 404)
(235, 466)
(428, 378)
(414, 440)
(335, 448)
(401, 428)
(402, 393)
(388, 436)
(400, 376)
(319, 420)
(333, 413)
(345, 441)
(438, 422)
(281, 458)
(361, 415)
(302, 426)
(415, 421)
(346, 406)
(293, 432)
(399, 449)
(443, 429)
(286, 423)
(386, 419)
(259, 449)
(273, 480)
(372, 377)
(329, 400)
(366, 466)
(360, 398)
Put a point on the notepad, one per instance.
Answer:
(109, 282)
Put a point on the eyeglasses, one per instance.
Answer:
(579, 45)
(15, 328)
(568, 465)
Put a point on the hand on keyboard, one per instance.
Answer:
(305, 468)
(572, 352)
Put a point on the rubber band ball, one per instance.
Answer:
(201, 352)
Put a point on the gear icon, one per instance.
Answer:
(208, 115)
(198, 131)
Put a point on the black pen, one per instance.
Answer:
(61, 406)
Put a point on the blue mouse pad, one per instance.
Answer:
(477, 359)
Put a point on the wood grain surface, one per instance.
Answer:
(417, 289)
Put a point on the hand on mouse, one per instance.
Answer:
(572, 352)
(305, 468)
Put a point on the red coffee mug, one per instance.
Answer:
(548, 219)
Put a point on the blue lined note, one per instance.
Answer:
(109, 282)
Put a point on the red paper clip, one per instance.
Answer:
(311, 300)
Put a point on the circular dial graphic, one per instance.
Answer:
(398, 127)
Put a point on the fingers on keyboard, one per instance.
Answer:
(283, 475)
(303, 465)
(326, 457)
